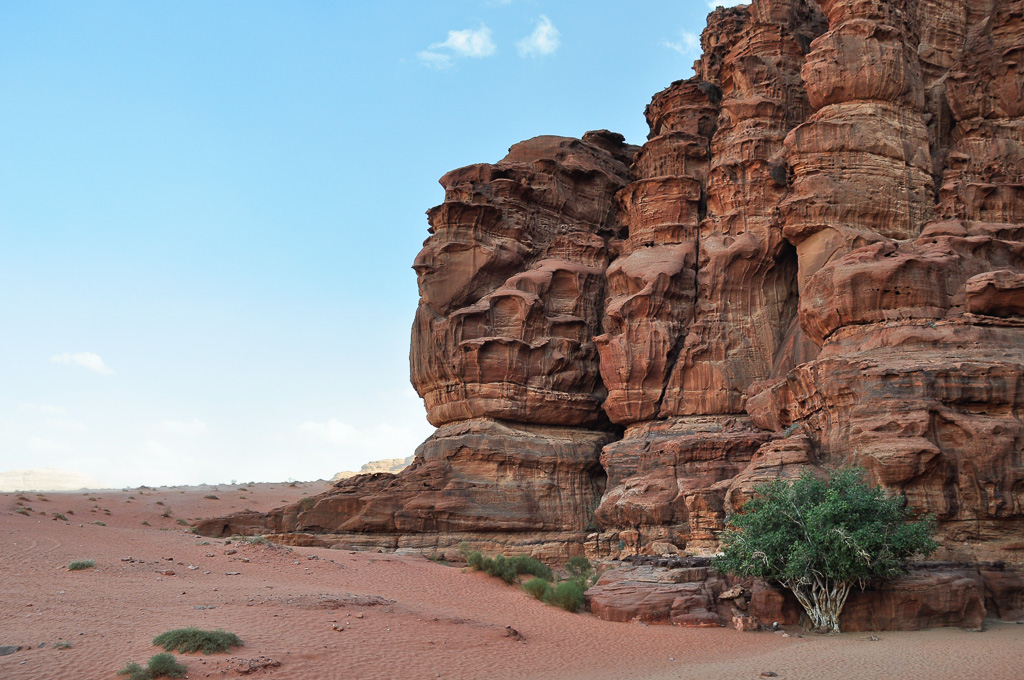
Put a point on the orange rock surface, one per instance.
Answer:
(817, 259)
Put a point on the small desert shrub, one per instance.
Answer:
(145, 523)
(159, 502)
(580, 569)
(568, 595)
(505, 568)
(158, 666)
(211, 497)
(22, 511)
(81, 564)
(22, 497)
(71, 512)
(166, 513)
(59, 516)
(161, 665)
(134, 671)
(99, 523)
(532, 566)
(62, 644)
(537, 587)
(188, 640)
(307, 503)
(182, 522)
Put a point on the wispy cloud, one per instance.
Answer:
(543, 41)
(475, 43)
(88, 360)
(689, 43)
(181, 428)
(726, 3)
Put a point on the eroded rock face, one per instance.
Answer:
(930, 595)
(528, 487)
(816, 259)
(512, 284)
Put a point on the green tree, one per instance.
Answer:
(818, 537)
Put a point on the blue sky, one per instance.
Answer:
(208, 211)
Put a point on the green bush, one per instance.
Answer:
(819, 537)
(567, 594)
(135, 672)
(78, 565)
(307, 503)
(582, 570)
(253, 540)
(191, 639)
(60, 516)
(158, 666)
(532, 566)
(538, 588)
(506, 568)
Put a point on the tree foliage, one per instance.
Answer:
(820, 536)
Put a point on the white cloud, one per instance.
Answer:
(88, 360)
(688, 44)
(544, 40)
(184, 428)
(712, 4)
(435, 59)
(476, 43)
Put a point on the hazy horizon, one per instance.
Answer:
(210, 212)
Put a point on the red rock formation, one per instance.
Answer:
(816, 259)
(930, 595)
(512, 284)
(703, 302)
(512, 288)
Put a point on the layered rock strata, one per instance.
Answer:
(704, 301)
(688, 593)
(816, 259)
(512, 287)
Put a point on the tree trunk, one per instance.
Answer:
(822, 599)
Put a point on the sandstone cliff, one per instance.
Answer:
(816, 259)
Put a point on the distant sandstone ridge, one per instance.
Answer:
(392, 465)
(47, 479)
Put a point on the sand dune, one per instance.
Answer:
(316, 613)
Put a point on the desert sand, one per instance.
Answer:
(318, 613)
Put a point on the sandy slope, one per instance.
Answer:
(400, 617)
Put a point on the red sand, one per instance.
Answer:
(334, 614)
